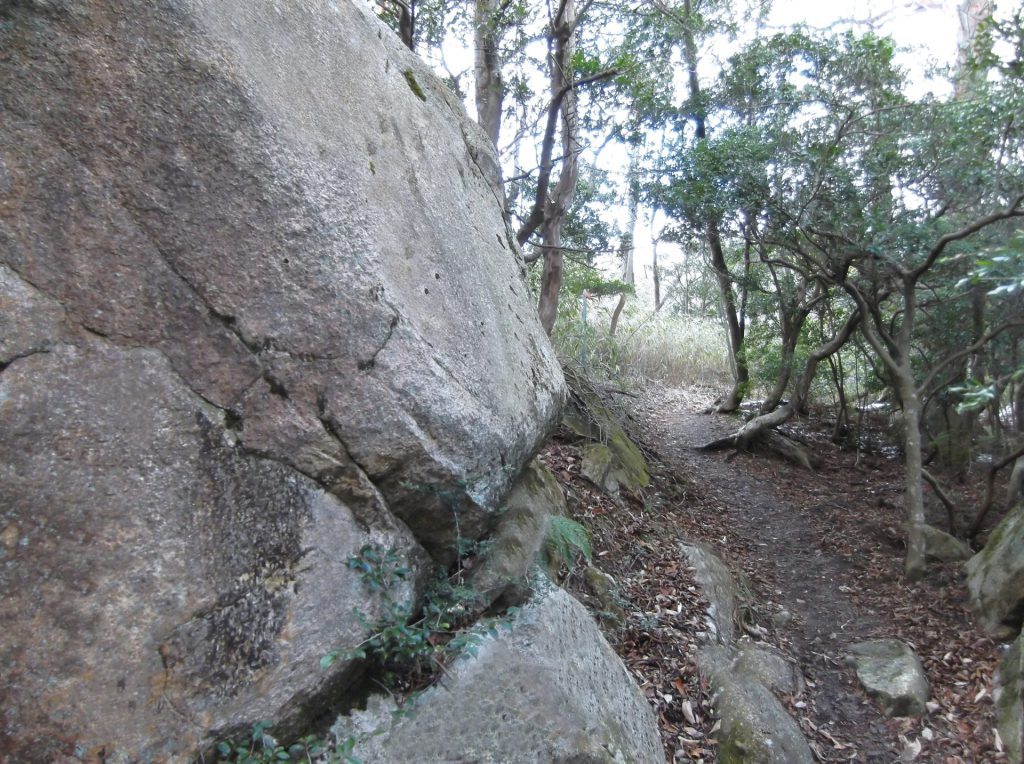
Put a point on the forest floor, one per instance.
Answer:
(819, 557)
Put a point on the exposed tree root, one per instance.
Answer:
(769, 439)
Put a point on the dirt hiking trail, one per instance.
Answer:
(821, 555)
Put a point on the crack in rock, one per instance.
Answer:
(370, 362)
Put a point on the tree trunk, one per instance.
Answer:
(656, 275)
(628, 237)
(790, 337)
(490, 89)
(914, 567)
(551, 276)
(734, 327)
(737, 357)
(560, 200)
(842, 428)
(970, 14)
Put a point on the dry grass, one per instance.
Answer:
(675, 351)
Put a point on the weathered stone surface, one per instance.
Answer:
(1010, 701)
(520, 699)
(30, 322)
(151, 564)
(271, 182)
(602, 466)
(892, 674)
(258, 306)
(718, 587)
(522, 529)
(768, 666)
(614, 460)
(755, 725)
(995, 577)
(939, 545)
(606, 591)
(596, 465)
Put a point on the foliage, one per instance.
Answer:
(566, 538)
(406, 647)
(263, 748)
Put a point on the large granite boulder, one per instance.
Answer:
(995, 577)
(259, 308)
(520, 698)
(160, 584)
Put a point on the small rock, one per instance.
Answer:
(781, 618)
(767, 665)
(892, 674)
(605, 589)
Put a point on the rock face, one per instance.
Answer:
(515, 548)
(892, 674)
(152, 564)
(520, 701)
(755, 726)
(605, 469)
(719, 588)
(612, 460)
(995, 577)
(256, 289)
(1010, 701)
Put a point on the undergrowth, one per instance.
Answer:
(565, 539)
(407, 649)
(263, 748)
(675, 350)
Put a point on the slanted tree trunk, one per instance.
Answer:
(550, 206)
(793, 313)
(1013, 488)
(733, 323)
(564, 35)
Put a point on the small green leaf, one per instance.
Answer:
(328, 660)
